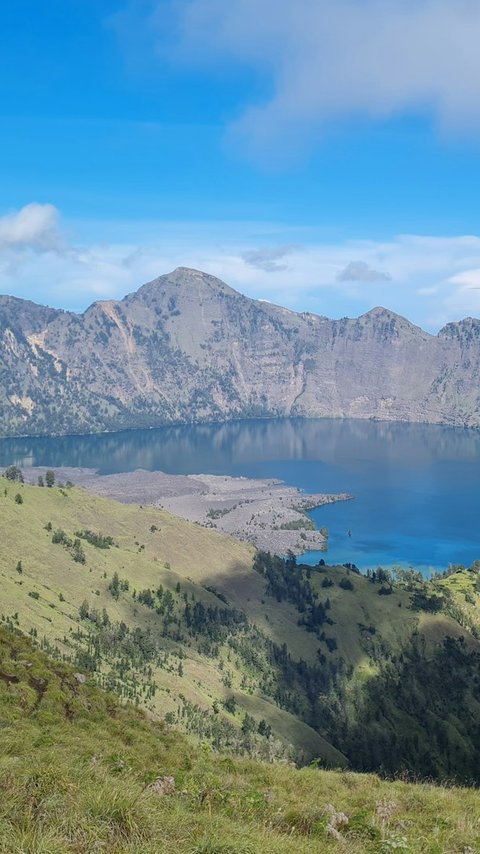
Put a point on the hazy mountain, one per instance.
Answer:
(186, 347)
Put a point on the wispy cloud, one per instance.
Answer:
(268, 258)
(359, 271)
(327, 59)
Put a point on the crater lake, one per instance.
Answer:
(416, 487)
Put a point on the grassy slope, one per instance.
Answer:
(75, 769)
(191, 551)
(197, 557)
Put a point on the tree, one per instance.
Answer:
(264, 728)
(230, 705)
(114, 586)
(18, 499)
(41, 481)
(50, 478)
(13, 473)
(83, 610)
(19, 567)
(248, 724)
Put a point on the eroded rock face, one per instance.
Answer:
(186, 347)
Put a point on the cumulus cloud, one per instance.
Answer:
(34, 226)
(327, 60)
(268, 258)
(360, 271)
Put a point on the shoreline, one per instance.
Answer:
(264, 512)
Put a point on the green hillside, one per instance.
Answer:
(246, 652)
(80, 773)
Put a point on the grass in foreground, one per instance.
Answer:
(76, 774)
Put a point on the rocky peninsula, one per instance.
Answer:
(267, 513)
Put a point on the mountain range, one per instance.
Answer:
(186, 347)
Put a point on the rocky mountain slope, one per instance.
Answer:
(186, 347)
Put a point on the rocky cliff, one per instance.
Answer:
(186, 347)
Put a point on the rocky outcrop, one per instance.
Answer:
(186, 347)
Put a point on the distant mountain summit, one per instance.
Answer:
(186, 347)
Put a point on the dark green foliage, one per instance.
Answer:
(50, 478)
(146, 597)
(72, 546)
(77, 552)
(264, 728)
(287, 581)
(100, 541)
(423, 601)
(216, 593)
(117, 586)
(83, 610)
(13, 473)
(416, 715)
(230, 705)
(345, 584)
(248, 724)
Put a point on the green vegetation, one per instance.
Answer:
(99, 540)
(80, 773)
(245, 651)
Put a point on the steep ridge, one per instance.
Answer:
(186, 347)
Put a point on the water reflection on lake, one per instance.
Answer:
(415, 486)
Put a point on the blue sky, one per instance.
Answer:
(323, 154)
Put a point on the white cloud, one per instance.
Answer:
(331, 59)
(469, 279)
(34, 226)
(434, 278)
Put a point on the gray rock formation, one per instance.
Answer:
(186, 347)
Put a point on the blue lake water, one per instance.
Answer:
(416, 487)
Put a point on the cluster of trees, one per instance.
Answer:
(418, 714)
(288, 582)
(100, 541)
(14, 473)
(73, 546)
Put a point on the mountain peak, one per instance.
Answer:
(185, 277)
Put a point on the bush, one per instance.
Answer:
(18, 499)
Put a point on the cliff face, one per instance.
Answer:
(186, 347)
